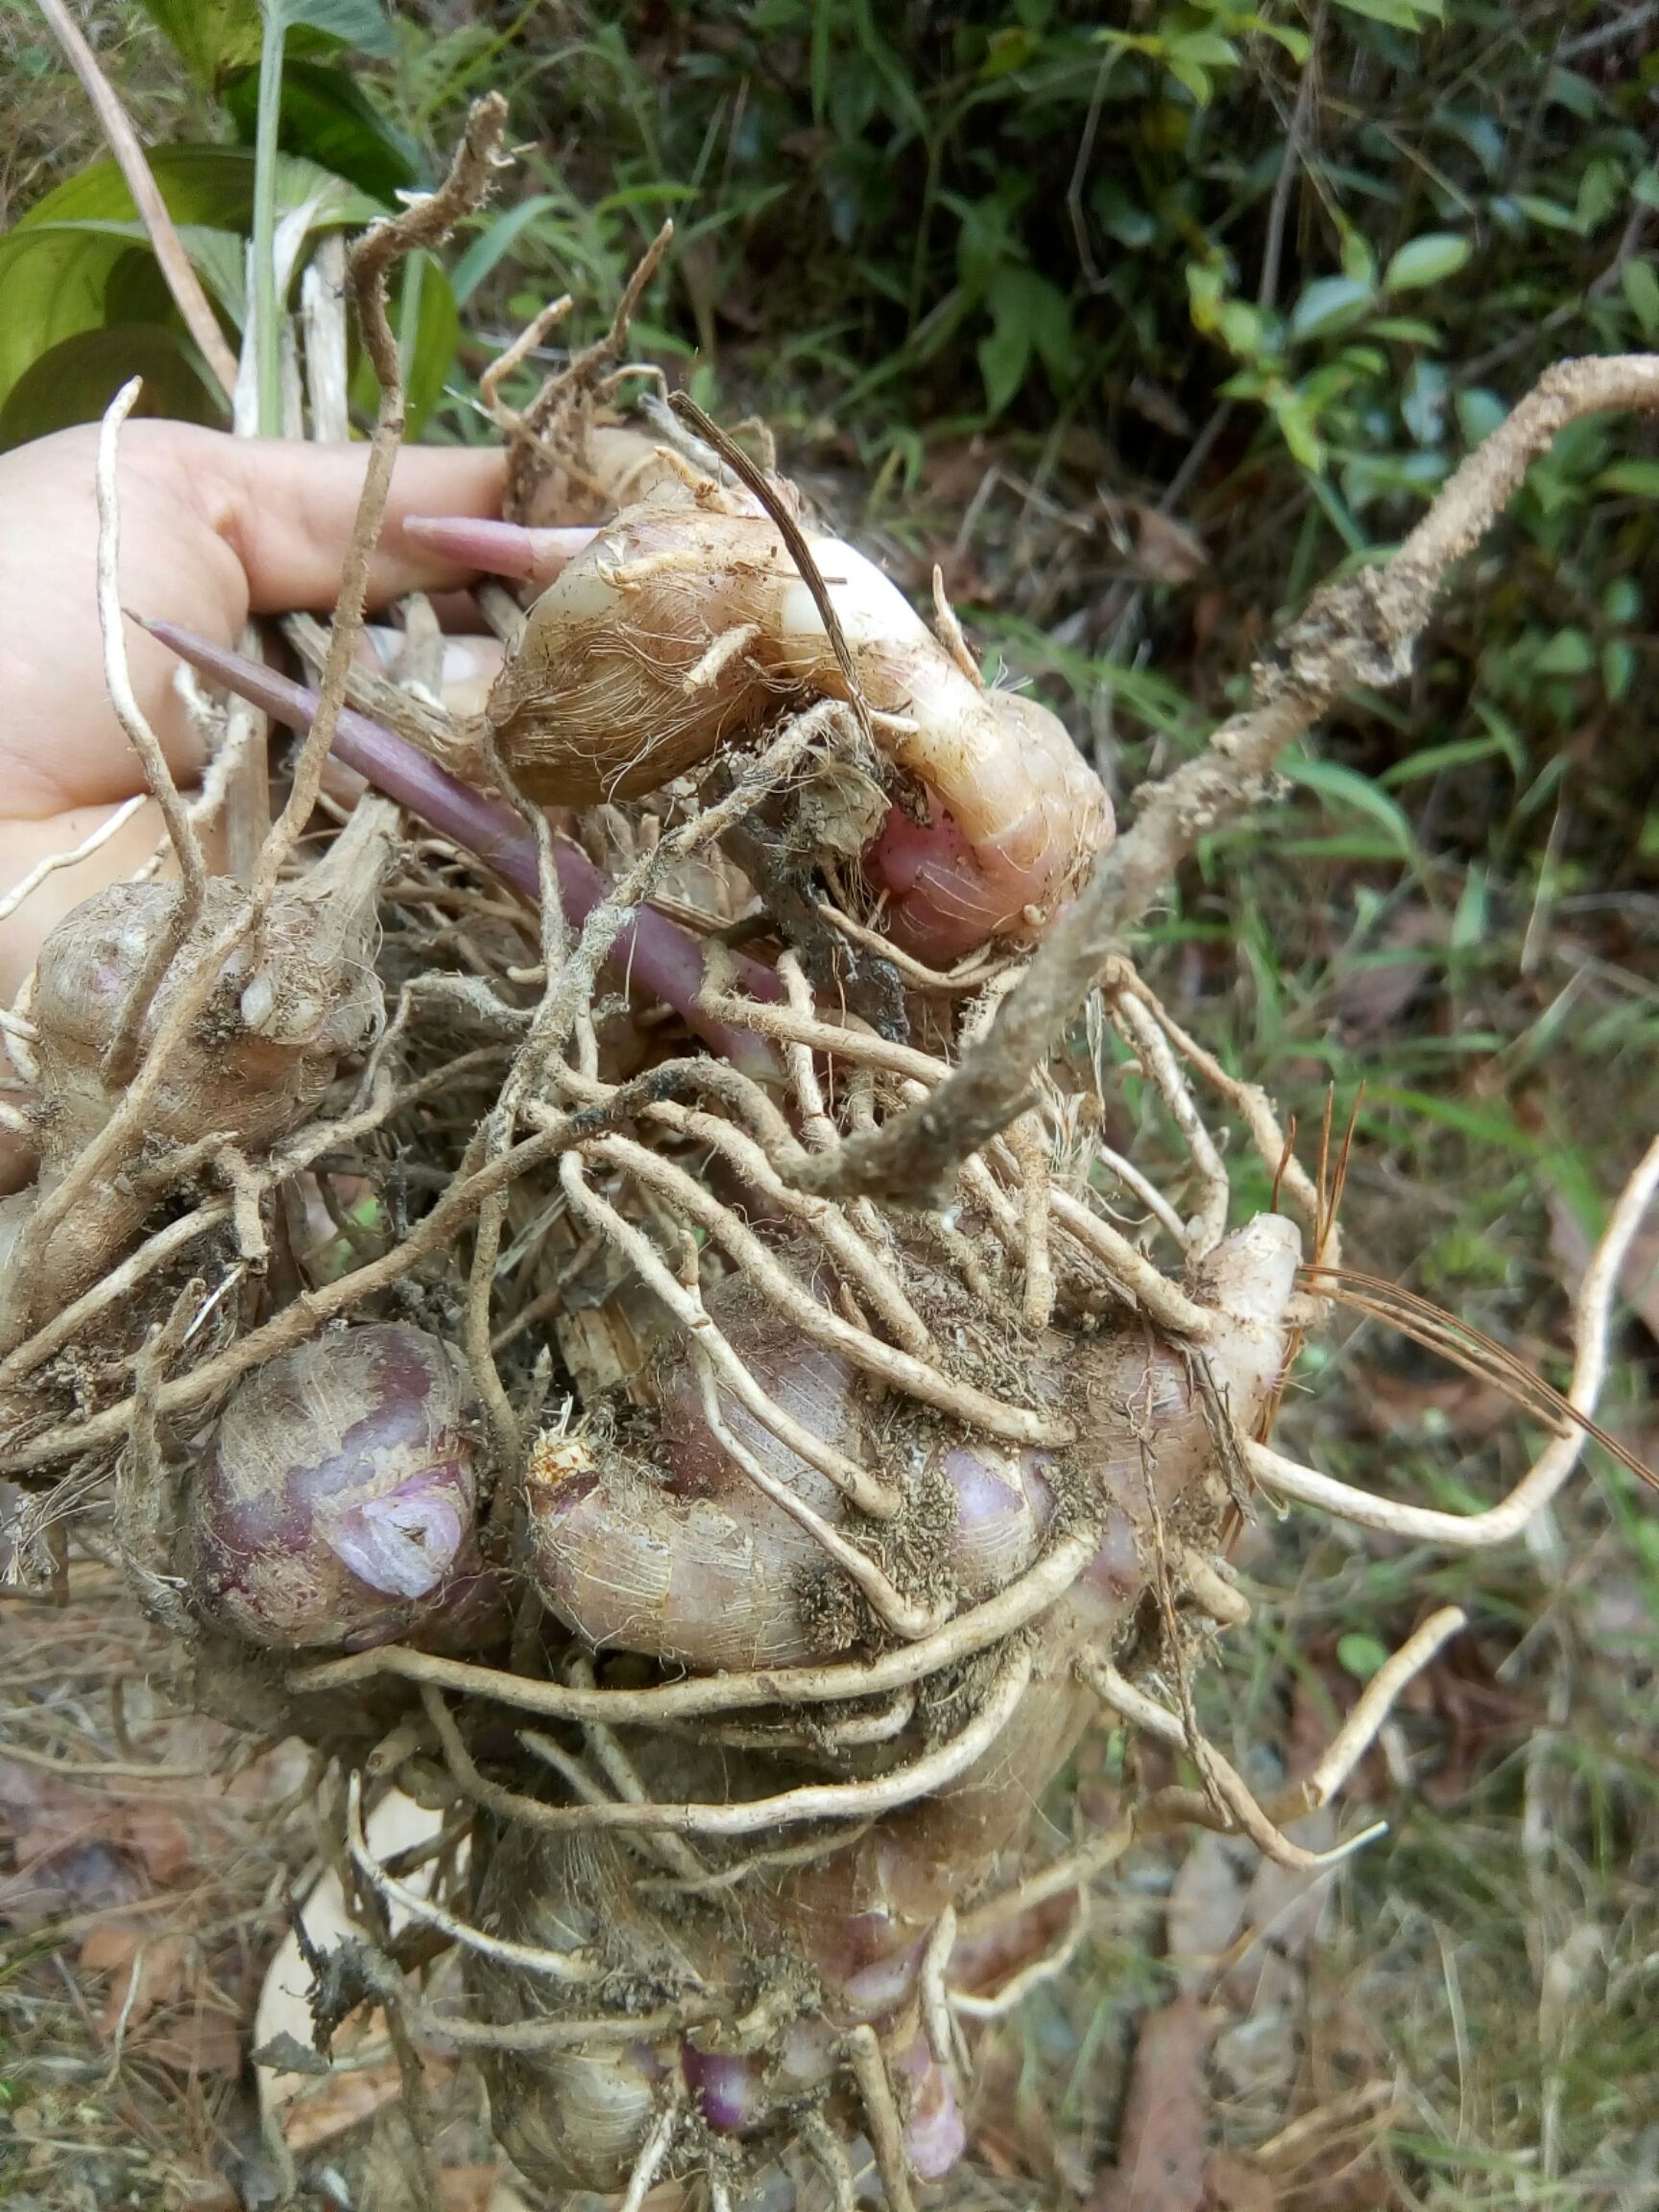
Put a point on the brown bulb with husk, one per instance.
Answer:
(294, 998)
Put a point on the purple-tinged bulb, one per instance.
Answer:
(336, 1502)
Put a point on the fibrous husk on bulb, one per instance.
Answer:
(292, 1000)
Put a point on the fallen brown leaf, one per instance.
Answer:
(1638, 1277)
(1232, 2184)
(1165, 2145)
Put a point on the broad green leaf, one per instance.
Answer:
(1003, 355)
(327, 118)
(358, 23)
(54, 282)
(212, 37)
(56, 264)
(1427, 260)
(216, 37)
(210, 184)
(1330, 303)
(218, 256)
(76, 379)
(1340, 786)
(1207, 48)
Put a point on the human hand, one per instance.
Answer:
(213, 528)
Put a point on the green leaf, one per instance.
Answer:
(325, 117)
(58, 263)
(1549, 214)
(495, 241)
(1569, 653)
(1402, 14)
(1641, 286)
(1207, 48)
(1621, 602)
(1459, 753)
(358, 23)
(1617, 668)
(54, 281)
(1296, 43)
(1362, 1655)
(1339, 786)
(210, 36)
(1427, 260)
(1330, 303)
(210, 184)
(428, 362)
(1479, 412)
(1636, 479)
(1003, 356)
(75, 380)
(214, 39)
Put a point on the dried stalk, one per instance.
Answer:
(183, 283)
(1360, 631)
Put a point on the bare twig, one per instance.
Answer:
(869, 2067)
(1360, 631)
(1227, 1783)
(188, 296)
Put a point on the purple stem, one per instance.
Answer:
(656, 957)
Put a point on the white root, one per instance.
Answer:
(811, 1801)
(904, 1615)
(551, 1965)
(1359, 1731)
(652, 2152)
(1224, 1779)
(863, 1489)
(1499, 1523)
(1014, 1608)
(118, 677)
(111, 825)
(827, 2147)
(1160, 1067)
(1011, 1424)
(1052, 1963)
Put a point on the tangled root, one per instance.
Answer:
(830, 1456)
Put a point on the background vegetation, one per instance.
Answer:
(1141, 321)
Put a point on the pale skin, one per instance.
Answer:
(212, 529)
